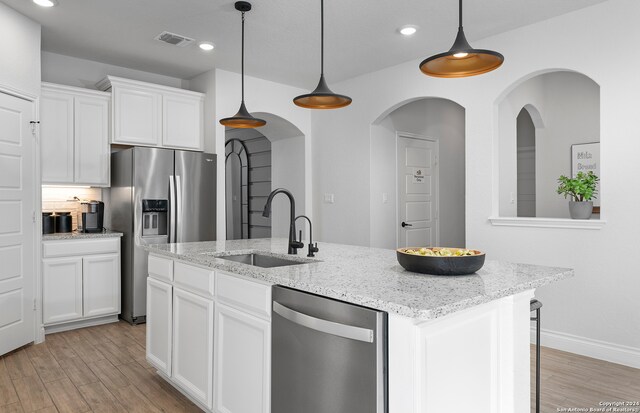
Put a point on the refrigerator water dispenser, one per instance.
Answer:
(154, 217)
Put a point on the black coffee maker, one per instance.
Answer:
(91, 216)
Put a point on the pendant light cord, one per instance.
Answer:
(321, 37)
(460, 15)
(242, 60)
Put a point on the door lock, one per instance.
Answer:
(404, 224)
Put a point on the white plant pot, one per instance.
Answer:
(580, 210)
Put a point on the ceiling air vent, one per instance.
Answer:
(174, 39)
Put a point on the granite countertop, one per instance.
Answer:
(81, 235)
(370, 277)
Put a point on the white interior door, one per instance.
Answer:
(417, 187)
(17, 255)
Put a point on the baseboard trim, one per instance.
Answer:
(597, 349)
(90, 322)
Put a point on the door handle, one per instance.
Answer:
(324, 326)
(404, 224)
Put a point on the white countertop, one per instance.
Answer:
(370, 277)
(80, 235)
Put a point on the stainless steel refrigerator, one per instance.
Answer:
(158, 196)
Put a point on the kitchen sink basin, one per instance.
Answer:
(259, 260)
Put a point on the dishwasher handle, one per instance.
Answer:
(324, 326)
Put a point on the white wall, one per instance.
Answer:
(568, 105)
(20, 51)
(287, 171)
(262, 96)
(433, 118)
(600, 302)
(72, 71)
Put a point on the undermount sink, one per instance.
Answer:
(259, 260)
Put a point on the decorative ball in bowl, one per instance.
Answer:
(440, 261)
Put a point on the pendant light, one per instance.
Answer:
(243, 118)
(322, 97)
(461, 60)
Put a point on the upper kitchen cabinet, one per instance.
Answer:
(74, 132)
(145, 114)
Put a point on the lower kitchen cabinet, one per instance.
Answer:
(193, 345)
(242, 362)
(80, 281)
(209, 334)
(100, 288)
(159, 324)
(61, 289)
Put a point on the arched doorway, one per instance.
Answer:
(422, 132)
(275, 158)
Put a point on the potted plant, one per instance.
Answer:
(581, 189)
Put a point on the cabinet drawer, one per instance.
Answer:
(195, 279)
(68, 248)
(245, 295)
(160, 268)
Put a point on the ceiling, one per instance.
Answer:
(282, 41)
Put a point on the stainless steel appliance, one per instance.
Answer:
(158, 196)
(91, 216)
(328, 356)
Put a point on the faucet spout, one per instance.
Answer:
(293, 244)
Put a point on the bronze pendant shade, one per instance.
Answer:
(322, 97)
(243, 118)
(461, 60)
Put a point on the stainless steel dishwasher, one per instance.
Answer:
(328, 356)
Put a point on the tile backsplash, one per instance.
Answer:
(61, 199)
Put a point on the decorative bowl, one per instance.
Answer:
(440, 265)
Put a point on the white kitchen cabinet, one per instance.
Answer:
(100, 286)
(209, 333)
(81, 282)
(91, 143)
(74, 130)
(182, 121)
(137, 116)
(192, 357)
(61, 289)
(146, 114)
(242, 362)
(159, 324)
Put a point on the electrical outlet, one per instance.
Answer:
(329, 198)
(513, 198)
(385, 198)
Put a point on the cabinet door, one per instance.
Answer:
(61, 289)
(182, 121)
(92, 152)
(242, 362)
(136, 115)
(159, 323)
(101, 285)
(192, 367)
(56, 136)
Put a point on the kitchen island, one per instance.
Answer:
(454, 343)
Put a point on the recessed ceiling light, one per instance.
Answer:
(408, 30)
(45, 3)
(206, 46)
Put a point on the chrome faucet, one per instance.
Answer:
(293, 244)
(312, 248)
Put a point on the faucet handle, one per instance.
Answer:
(313, 249)
(300, 237)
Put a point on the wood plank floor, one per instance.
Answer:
(103, 369)
(96, 369)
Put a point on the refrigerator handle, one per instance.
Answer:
(179, 195)
(172, 209)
